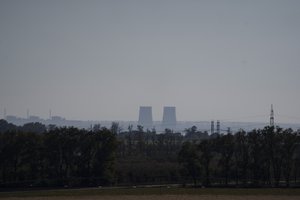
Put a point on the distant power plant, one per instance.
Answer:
(168, 121)
(145, 117)
(218, 127)
(169, 117)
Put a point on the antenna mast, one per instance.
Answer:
(272, 116)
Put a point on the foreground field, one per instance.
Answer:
(161, 193)
(163, 197)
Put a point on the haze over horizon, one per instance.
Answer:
(101, 60)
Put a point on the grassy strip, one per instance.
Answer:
(152, 191)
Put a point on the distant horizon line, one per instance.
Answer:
(136, 121)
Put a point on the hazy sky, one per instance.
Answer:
(101, 60)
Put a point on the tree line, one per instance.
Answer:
(264, 157)
(57, 157)
(38, 155)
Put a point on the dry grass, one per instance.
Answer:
(163, 197)
(161, 193)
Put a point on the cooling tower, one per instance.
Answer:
(169, 117)
(145, 117)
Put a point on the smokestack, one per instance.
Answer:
(169, 117)
(145, 117)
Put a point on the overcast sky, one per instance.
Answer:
(101, 60)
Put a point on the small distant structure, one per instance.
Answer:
(11, 118)
(33, 118)
(57, 118)
(228, 130)
(218, 127)
(169, 117)
(212, 127)
(145, 117)
(15, 120)
(272, 116)
(58, 121)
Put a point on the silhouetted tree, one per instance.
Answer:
(206, 148)
(225, 147)
(289, 144)
(241, 156)
(189, 158)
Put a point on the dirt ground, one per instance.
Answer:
(164, 197)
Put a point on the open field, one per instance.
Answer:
(155, 194)
(164, 197)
